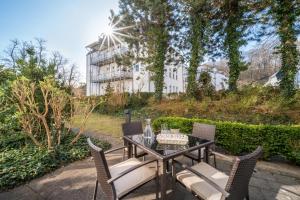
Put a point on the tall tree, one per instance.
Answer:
(233, 19)
(286, 19)
(194, 23)
(150, 36)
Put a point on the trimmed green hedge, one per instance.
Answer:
(239, 138)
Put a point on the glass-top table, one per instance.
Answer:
(165, 152)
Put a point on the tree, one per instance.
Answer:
(48, 121)
(67, 74)
(286, 19)
(205, 85)
(194, 23)
(7, 108)
(233, 20)
(29, 59)
(30, 112)
(149, 38)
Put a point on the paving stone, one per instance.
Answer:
(255, 193)
(20, 193)
(286, 195)
(260, 183)
(76, 182)
(286, 180)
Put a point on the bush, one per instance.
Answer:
(116, 103)
(12, 141)
(239, 138)
(20, 162)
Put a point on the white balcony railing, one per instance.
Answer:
(111, 76)
(100, 56)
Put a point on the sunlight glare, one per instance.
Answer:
(111, 34)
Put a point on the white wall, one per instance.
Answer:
(141, 79)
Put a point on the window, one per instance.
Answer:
(173, 88)
(170, 89)
(176, 75)
(170, 73)
(173, 74)
(137, 67)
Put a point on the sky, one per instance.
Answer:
(67, 25)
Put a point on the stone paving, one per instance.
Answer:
(76, 181)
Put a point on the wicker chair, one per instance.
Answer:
(204, 131)
(209, 183)
(133, 128)
(119, 180)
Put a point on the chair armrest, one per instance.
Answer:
(222, 155)
(131, 169)
(116, 149)
(208, 180)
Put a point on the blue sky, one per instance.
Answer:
(67, 25)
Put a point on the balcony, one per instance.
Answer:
(105, 57)
(102, 78)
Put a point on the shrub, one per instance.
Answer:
(240, 138)
(12, 141)
(21, 162)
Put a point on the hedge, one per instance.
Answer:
(240, 138)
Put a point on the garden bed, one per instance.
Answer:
(21, 161)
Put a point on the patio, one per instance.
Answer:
(76, 181)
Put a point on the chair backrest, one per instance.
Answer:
(103, 174)
(204, 131)
(132, 128)
(241, 173)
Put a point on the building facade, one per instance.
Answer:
(102, 69)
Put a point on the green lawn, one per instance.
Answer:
(105, 124)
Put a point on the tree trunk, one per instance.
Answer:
(49, 140)
(34, 140)
(286, 18)
(196, 51)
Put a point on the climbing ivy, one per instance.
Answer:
(285, 13)
(151, 35)
(198, 25)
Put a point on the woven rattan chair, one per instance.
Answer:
(204, 131)
(206, 182)
(133, 128)
(119, 180)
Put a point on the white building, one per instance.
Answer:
(218, 78)
(275, 79)
(102, 69)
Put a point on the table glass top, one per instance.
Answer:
(168, 149)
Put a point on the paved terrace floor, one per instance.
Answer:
(76, 181)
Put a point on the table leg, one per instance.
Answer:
(163, 180)
(129, 149)
(206, 154)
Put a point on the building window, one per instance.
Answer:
(173, 88)
(170, 89)
(176, 75)
(137, 67)
(170, 73)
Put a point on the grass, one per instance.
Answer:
(104, 124)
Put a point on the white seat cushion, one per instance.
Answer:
(133, 179)
(199, 186)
